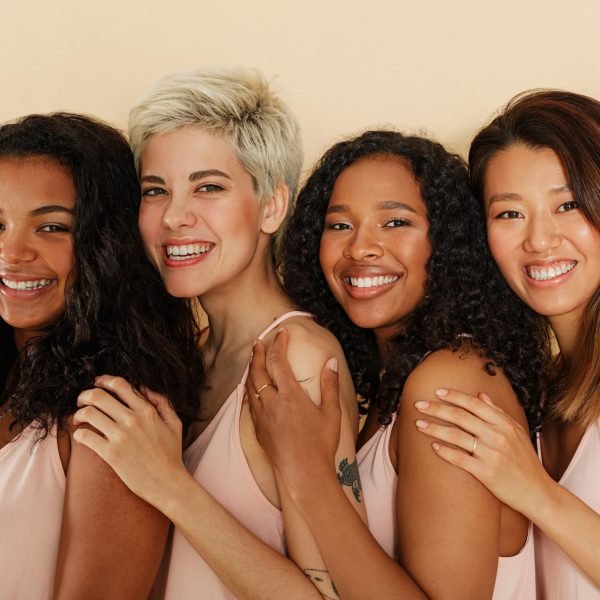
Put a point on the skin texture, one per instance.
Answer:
(37, 199)
(451, 529)
(196, 193)
(105, 528)
(371, 230)
(533, 221)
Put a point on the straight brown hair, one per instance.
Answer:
(569, 124)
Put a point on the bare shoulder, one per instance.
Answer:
(309, 346)
(463, 370)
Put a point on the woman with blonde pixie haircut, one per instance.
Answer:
(219, 156)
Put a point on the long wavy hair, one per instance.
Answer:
(569, 124)
(118, 317)
(466, 298)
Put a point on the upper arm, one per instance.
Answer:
(307, 353)
(448, 523)
(111, 540)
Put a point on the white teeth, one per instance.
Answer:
(543, 274)
(367, 282)
(187, 251)
(27, 285)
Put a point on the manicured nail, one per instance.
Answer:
(421, 405)
(436, 446)
(421, 424)
(333, 364)
(76, 435)
(279, 331)
(441, 393)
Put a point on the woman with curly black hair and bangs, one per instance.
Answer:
(387, 247)
(78, 298)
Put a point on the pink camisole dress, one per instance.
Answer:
(515, 578)
(216, 460)
(32, 490)
(558, 577)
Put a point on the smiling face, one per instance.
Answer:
(547, 250)
(37, 199)
(199, 217)
(375, 245)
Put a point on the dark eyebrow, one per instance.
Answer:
(152, 179)
(512, 196)
(207, 173)
(50, 208)
(393, 205)
(195, 176)
(386, 205)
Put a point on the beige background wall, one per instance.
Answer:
(437, 66)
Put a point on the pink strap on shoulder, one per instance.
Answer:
(282, 318)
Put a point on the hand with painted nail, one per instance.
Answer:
(489, 444)
(299, 436)
(137, 433)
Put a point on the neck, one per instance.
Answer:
(566, 328)
(238, 312)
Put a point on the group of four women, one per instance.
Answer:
(377, 283)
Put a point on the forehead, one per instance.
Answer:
(521, 167)
(35, 180)
(377, 178)
(188, 145)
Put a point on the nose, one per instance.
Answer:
(178, 214)
(363, 245)
(15, 247)
(543, 234)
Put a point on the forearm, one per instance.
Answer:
(359, 567)
(571, 524)
(229, 548)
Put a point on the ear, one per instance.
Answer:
(275, 209)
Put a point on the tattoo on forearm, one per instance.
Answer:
(320, 577)
(349, 476)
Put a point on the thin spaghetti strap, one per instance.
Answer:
(282, 318)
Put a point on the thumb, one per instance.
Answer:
(330, 397)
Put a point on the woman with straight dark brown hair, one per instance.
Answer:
(536, 168)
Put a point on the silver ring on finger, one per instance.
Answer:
(474, 446)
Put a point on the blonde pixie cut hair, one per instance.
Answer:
(237, 104)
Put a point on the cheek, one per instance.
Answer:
(148, 224)
(327, 258)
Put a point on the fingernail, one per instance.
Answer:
(441, 393)
(421, 404)
(76, 435)
(421, 424)
(333, 365)
(436, 446)
(279, 331)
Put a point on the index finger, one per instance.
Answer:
(122, 390)
(277, 362)
(257, 374)
(473, 404)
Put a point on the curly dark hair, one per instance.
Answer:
(118, 318)
(466, 297)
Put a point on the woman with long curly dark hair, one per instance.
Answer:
(387, 248)
(78, 298)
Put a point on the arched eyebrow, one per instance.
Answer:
(195, 176)
(49, 208)
(561, 189)
(385, 205)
